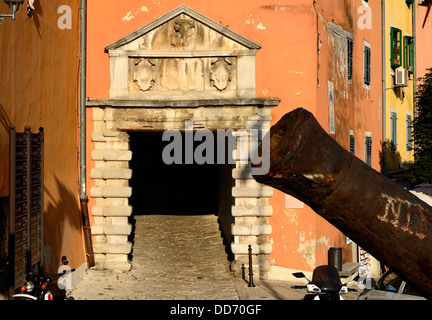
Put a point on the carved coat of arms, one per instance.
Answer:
(144, 75)
(220, 73)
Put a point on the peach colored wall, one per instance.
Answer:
(39, 83)
(423, 38)
(286, 68)
(301, 238)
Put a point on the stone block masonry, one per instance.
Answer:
(111, 175)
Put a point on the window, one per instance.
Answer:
(395, 47)
(352, 144)
(367, 65)
(409, 140)
(350, 57)
(368, 150)
(408, 62)
(393, 131)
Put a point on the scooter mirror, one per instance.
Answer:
(299, 275)
(65, 260)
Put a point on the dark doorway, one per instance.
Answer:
(178, 189)
(158, 188)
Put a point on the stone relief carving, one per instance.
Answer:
(184, 31)
(144, 75)
(220, 73)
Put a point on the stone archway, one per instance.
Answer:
(182, 68)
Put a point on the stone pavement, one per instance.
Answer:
(178, 258)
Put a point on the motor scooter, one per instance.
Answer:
(325, 285)
(40, 286)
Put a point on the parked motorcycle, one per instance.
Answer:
(40, 286)
(325, 285)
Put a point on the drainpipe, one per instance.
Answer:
(83, 194)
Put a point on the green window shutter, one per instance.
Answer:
(411, 55)
(408, 60)
(395, 47)
(393, 131)
(409, 141)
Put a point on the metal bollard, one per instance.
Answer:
(251, 283)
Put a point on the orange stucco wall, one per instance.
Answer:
(39, 83)
(286, 68)
(423, 36)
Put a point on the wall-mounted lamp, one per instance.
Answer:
(13, 8)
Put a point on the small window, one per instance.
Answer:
(409, 140)
(395, 47)
(393, 131)
(368, 150)
(367, 66)
(350, 57)
(408, 62)
(352, 144)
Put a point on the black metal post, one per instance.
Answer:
(251, 283)
(243, 272)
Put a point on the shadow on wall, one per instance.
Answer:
(62, 227)
(393, 158)
(396, 167)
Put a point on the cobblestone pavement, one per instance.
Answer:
(174, 257)
(179, 258)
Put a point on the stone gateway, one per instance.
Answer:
(180, 68)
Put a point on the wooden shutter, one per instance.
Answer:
(409, 141)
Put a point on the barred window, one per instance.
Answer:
(368, 150)
(352, 144)
(350, 57)
(367, 65)
(393, 131)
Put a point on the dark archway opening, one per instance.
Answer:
(179, 189)
(159, 188)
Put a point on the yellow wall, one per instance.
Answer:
(398, 15)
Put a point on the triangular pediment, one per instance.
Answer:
(183, 29)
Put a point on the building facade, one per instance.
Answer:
(423, 34)
(39, 88)
(399, 80)
(161, 71)
(152, 67)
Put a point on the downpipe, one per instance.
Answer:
(83, 195)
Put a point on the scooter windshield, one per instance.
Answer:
(327, 279)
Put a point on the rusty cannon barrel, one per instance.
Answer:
(382, 217)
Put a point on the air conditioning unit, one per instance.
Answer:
(401, 77)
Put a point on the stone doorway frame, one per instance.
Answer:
(112, 120)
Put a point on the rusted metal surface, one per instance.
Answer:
(379, 215)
